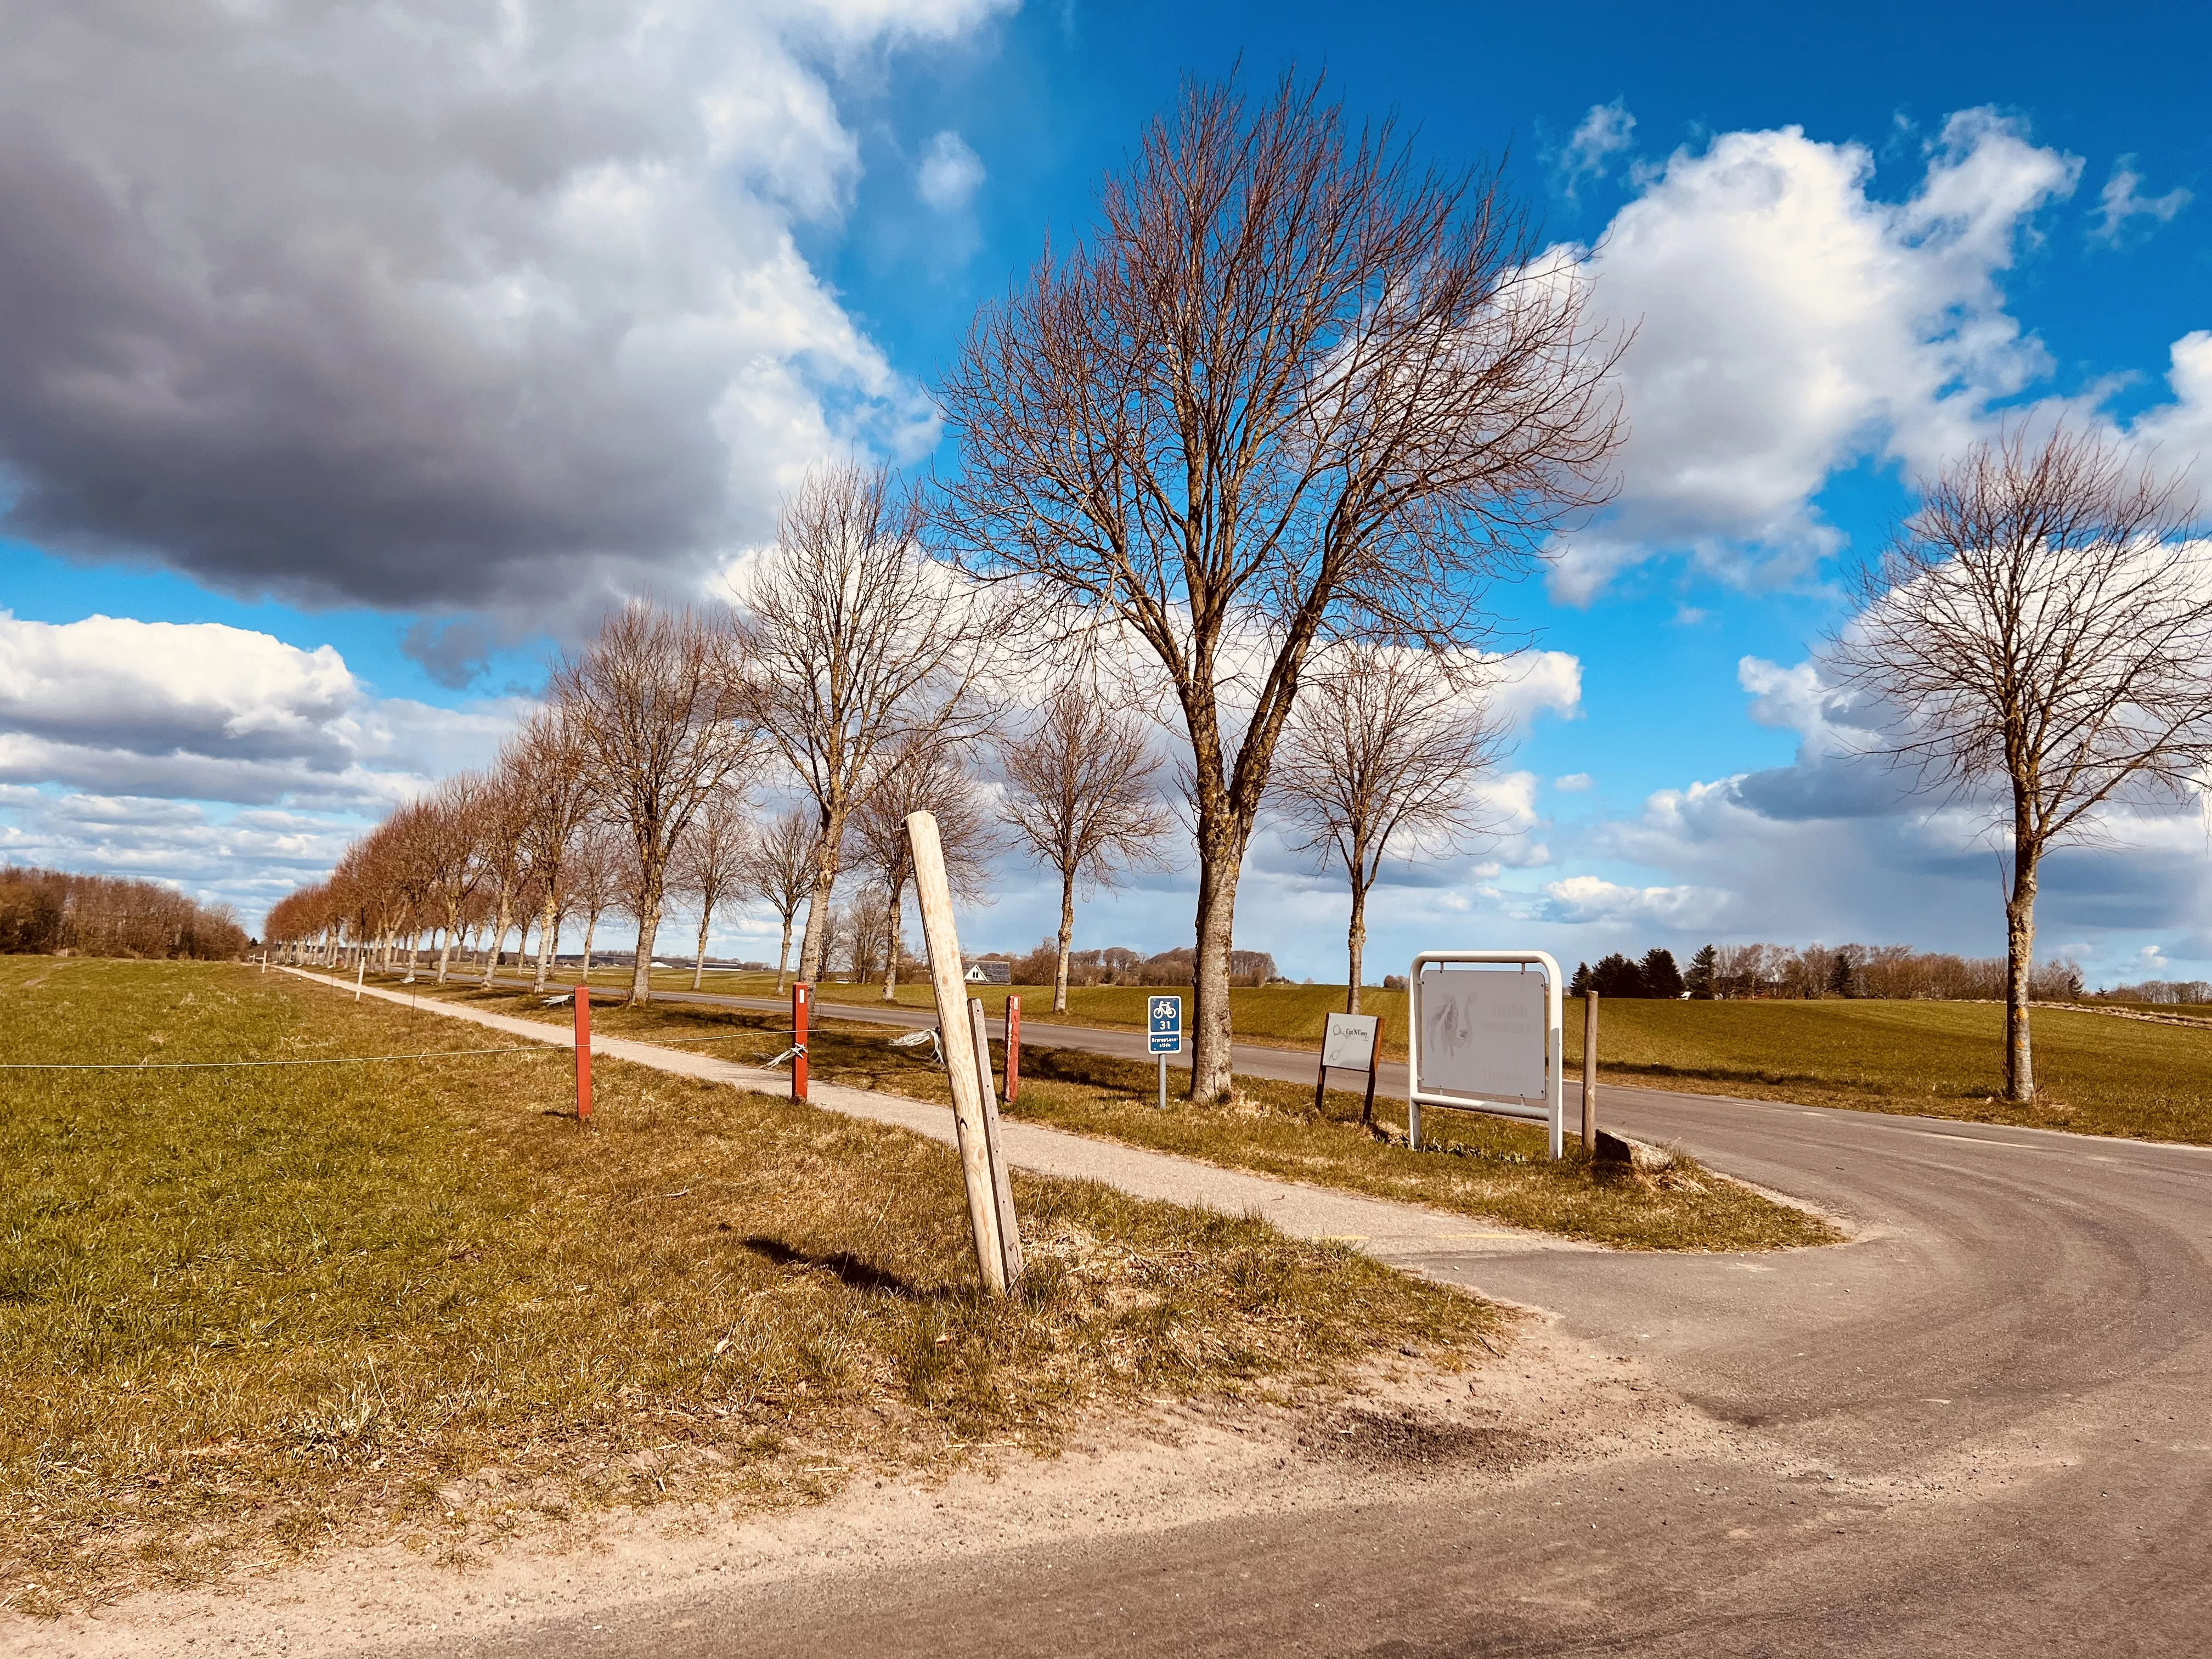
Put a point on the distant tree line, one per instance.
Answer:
(1119, 966)
(1890, 971)
(55, 912)
(2157, 990)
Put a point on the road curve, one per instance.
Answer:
(1983, 1427)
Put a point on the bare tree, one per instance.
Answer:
(2040, 631)
(862, 648)
(556, 766)
(659, 699)
(780, 867)
(597, 876)
(452, 849)
(503, 808)
(712, 861)
(1381, 760)
(924, 777)
(1081, 798)
(1297, 389)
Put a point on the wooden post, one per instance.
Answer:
(1002, 1190)
(1013, 1047)
(583, 1054)
(933, 896)
(1374, 1064)
(360, 973)
(801, 995)
(1589, 1073)
(1321, 1072)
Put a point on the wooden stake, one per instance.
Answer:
(1002, 1190)
(1589, 1073)
(1013, 1047)
(933, 896)
(583, 1054)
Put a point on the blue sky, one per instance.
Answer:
(330, 387)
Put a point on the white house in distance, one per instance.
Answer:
(981, 972)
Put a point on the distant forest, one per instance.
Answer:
(54, 912)
(1730, 971)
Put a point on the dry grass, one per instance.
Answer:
(245, 1313)
(1485, 1166)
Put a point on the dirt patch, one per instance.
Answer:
(1546, 1401)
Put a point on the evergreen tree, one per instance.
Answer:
(1617, 976)
(1704, 970)
(1661, 978)
(1840, 981)
(1580, 984)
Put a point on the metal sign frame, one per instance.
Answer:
(1551, 1110)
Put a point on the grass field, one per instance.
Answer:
(246, 1312)
(1494, 1169)
(2097, 1074)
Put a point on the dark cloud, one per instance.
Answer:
(416, 305)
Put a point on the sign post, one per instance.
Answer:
(1589, 1074)
(1350, 1043)
(1163, 1025)
(1013, 1047)
(583, 1054)
(1480, 1040)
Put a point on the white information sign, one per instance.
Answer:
(1483, 1033)
(1350, 1042)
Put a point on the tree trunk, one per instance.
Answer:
(590, 926)
(892, 940)
(549, 939)
(783, 956)
(499, 939)
(2020, 957)
(1213, 1064)
(446, 948)
(1356, 941)
(699, 960)
(1067, 940)
(816, 944)
(640, 968)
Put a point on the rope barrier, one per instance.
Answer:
(234, 1065)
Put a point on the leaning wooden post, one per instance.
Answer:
(583, 1054)
(1589, 1073)
(933, 894)
(1013, 1047)
(1002, 1187)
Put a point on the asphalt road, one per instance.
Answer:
(1984, 1427)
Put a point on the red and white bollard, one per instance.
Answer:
(800, 996)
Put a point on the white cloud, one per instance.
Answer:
(1593, 899)
(217, 757)
(950, 174)
(1572, 783)
(2119, 205)
(2182, 429)
(1789, 323)
(1604, 133)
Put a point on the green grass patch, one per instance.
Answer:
(1483, 1166)
(244, 1313)
(2097, 1073)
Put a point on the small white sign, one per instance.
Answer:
(1350, 1041)
(1484, 1033)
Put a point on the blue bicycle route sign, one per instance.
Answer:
(1164, 1021)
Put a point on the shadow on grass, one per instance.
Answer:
(847, 1270)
